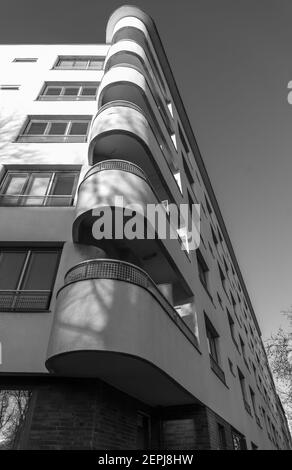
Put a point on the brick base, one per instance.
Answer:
(89, 414)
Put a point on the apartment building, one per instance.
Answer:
(117, 344)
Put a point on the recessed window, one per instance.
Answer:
(25, 59)
(79, 63)
(238, 440)
(243, 390)
(143, 431)
(27, 277)
(222, 278)
(209, 208)
(232, 327)
(221, 437)
(38, 188)
(10, 87)
(76, 92)
(56, 129)
(203, 270)
(212, 341)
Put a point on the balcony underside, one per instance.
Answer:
(124, 332)
(130, 374)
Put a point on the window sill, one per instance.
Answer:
(52, 139)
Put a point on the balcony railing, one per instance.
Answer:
(123, 271)
(24, 300)
(29, 200)
(116, 164)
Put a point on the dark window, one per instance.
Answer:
(232, 327)
(27, 277)
(203, 269)
(25, 59)
(212, 340)
(38, 188)
(143, 431)
(238, 440)
(222, 278)
(221, 437)
(254, 446)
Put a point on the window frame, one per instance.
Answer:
(80, 58)
(30, 173)
(18, 291)
(69, 120)
(63, 97)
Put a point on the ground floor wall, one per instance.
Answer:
(51, 413)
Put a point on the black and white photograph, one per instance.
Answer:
(145, 230)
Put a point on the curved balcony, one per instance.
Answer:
(112, 322)
(114, 185)
(130, 82)
(129, 22)
(120, 129)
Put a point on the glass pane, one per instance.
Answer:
(63, 187)
(79, 128)
(71, 91)
(88, 91)
(36, 128)
(41, 270)
(14, 405)
(65, 63)
(38, 186)
(14, 184)
(57, 128)
(63, 183)
(96, 64)
(80, 63)
(11, 264)
(53, 91)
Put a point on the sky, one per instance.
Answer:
(232, 61)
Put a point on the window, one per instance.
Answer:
(69, 91)
(203, 270)
(253, 446)
(222, 278)
(38, 188)
(238, 440)
(232, 328)
(14, 406)
(215, 239)
(221, 437)
(212, 341)
(252, 396)
(209, 208)
(143, 431)
(25, 59)
(55, 129)
(243, 390)
(79, 63)
(10, 87)
(27, 276)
